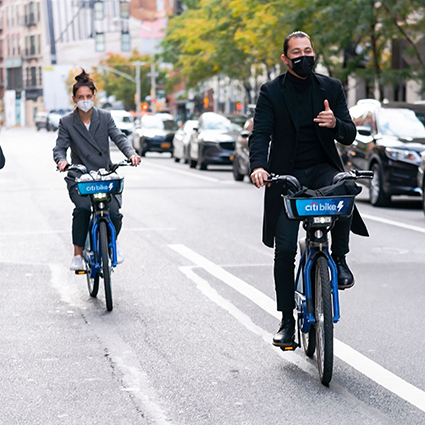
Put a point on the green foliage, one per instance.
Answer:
(122, 88)
(228, 37)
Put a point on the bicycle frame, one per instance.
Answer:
(303, 296)
(94, 239)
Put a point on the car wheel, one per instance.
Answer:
(236, 174)
(377, 197)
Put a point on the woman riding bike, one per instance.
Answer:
(86, 131)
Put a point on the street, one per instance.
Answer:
(189, 339)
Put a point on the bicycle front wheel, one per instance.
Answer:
(106, 264)
(324, 323)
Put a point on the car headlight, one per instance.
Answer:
(403, 155)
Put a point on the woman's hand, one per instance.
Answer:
(62, 165)
(258, 176)
(135, 160)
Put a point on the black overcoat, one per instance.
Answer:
(273, 142)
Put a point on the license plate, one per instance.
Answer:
(165, 145)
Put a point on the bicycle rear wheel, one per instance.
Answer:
(324, 323)
(106, 264)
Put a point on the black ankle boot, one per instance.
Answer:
(286, 333)
(345, 277)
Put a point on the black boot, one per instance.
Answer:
(345, 277)
(286, 333)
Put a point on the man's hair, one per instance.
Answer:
(295, 34)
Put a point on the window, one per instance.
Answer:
(98, 11)
(125, 42)
(99, 42)
(32, 45)
(33, 76)
(124, 9)
(38, 12)
(39, 44)
(40, 76)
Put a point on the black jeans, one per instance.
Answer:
(286, 237)
(81, 217)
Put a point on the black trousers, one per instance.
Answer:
(81, 216)
(286, 237)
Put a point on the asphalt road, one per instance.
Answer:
(189, 339)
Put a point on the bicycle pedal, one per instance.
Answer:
(80, 271)
(292, 347)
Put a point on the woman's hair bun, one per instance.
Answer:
(83, 77)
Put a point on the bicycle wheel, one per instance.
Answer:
(106, 264)
(324, 323)
(92, 283)
(309, 341)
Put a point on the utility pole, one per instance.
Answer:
(138, 100)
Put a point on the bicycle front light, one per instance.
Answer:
(404, 155)
(100, 196)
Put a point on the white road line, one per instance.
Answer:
(358, 361)
(394, 223)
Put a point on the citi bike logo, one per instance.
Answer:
(324, 207)
(100, 187)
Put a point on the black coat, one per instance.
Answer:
(2, 159)
(276, 126)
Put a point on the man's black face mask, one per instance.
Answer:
(303, 65)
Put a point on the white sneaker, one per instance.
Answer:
(120, 254)
(77, 263)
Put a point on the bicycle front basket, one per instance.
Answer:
(100, 186)
(298, 208)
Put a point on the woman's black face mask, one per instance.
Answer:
(303, 65)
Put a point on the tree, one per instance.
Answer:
(120, 87)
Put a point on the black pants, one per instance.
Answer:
(286, 237)
(81, 217)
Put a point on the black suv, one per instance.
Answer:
(389, 141)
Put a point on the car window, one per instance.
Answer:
(401, 123)
(158, 123)
(218, 122)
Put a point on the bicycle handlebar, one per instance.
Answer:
(83, 169)
(345, 175)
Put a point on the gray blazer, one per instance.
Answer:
(90, 147)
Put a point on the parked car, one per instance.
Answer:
(123, 120)
(240, 156)
(41, 121)
(213, 142)
(155, 134)
(54, 117)
(181, 140)
(389, 141)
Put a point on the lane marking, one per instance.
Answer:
(394, 223)
(358, 361)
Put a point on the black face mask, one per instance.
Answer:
(303, 65)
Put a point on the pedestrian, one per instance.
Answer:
(298, 117)
(86, 131)
(2, 159)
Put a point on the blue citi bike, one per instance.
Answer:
(100, 251)
(316, 277)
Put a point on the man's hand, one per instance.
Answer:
(62, 165)
(135, 160)
(258, 176)
(326, 118)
